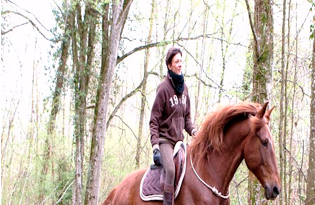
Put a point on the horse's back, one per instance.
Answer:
(110, 197)
(128, 191)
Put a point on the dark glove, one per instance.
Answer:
(157, 157)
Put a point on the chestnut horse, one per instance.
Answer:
(226, 137)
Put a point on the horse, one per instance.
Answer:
(227, 135)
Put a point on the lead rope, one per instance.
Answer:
(213, 189)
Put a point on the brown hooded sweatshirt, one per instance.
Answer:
(170, 114)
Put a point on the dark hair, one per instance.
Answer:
(170, 54)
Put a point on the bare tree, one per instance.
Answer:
(262, 30)
(143, 89)
(83, 43)
(282, 120)
(113, 20)
(310, 192)
(55, 103)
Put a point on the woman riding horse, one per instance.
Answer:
(227, 136)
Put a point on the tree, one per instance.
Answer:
(225, 45)
(310, 191)
(262, 30)
(113, 20)
(143, 89)
(56, 95)
(283, 102)
(43, 165)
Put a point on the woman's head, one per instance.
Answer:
(174, 60)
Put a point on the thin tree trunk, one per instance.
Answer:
(143, 89)
(301, 173)
(83, 55)
(119, 12)
(55, 102)
(224, 50)
(292, 106)
(285, 120)
(33, 129)
(78, 182)
(262, 30)
(310, 191)
(165, 31)
(223, 53)
(202, 65)
(282, 120)
(79, 41)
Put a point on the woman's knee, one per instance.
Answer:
(170, 171)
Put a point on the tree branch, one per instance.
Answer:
(65, 191)
(14, 27)
(29, 20)
(253, 28)
(163, 43)
(134, 134)
(124, 99)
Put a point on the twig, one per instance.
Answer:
(300, 170)
(127, 126)
(14, 27)
(29, 20)
(64, 192)
(30, 14)
(126, 97)
(48, 196)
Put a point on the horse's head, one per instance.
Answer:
(259, 153)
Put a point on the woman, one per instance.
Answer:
(170, 115)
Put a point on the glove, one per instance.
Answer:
(156, 156)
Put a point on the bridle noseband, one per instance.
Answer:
(213, 189)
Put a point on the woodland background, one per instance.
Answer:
(78, 79)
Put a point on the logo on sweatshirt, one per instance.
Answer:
(175, 100)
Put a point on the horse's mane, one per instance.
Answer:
(211, 133)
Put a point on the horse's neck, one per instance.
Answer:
(218, 170)
(225, 166)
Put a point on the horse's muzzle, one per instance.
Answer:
(271, 192)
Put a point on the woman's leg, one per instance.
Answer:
(169, 168)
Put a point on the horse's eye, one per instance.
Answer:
(264, 143)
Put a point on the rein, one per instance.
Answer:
(213, 189)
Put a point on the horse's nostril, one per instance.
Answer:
(276, 190)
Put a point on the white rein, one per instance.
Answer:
(213, 189)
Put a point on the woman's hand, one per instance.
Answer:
(157, 155)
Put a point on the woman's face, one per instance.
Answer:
(176, 65)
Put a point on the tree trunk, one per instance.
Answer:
(83, 55)
(224, 49)
(143, 89)
(223, 53)
(165, 31)
(119, 12)
(282, 120)
(198, 94)
(56, 99)
(262, 30)
(292, 125)
(310, 192)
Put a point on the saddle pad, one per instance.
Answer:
(150, 187)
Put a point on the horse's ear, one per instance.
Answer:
(268, 113)
(261, 112)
